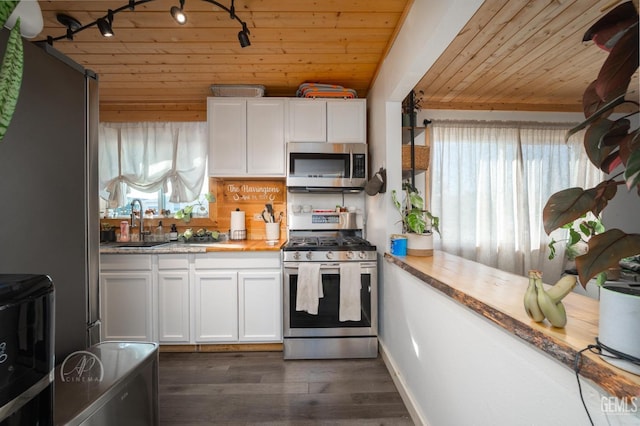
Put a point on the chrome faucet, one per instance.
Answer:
(141, 220)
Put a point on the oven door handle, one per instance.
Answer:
(324, 266)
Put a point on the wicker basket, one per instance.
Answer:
(421, 157)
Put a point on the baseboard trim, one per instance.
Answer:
(406, 396)
(245, 347)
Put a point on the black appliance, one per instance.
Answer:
(326, 167)
(323, 334)
(26, 350)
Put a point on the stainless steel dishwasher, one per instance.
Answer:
(109, 383)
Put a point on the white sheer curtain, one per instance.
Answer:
(490, 182)
(149, 156)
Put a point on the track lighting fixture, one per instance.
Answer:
(105, 24)
(71, 23)
(243, 36)
(178, 13)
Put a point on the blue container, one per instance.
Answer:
(398, 245)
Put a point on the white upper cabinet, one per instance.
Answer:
(246, 136)
(347, 121)
(265, 137)
(307, 120)
(328, 120)
(227, 120)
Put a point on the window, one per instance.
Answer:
(490, 182)
(162, 163)
(156, 201)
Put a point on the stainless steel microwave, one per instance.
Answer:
(326, 167)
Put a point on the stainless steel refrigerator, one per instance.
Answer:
(49, 220)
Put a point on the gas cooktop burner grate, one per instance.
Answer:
(328, 243)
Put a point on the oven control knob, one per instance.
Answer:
(296, 255)
(362, 255)
(349, 255)
(329, 255)
(309, 255)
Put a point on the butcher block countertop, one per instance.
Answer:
(225, 246)
(498, 296)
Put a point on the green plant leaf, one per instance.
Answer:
(593, 141)
(552, 249)
(605, 251)
(6, 9)
(603, 111)
(210, 197)
(618, 131)
(574, 236)
(632, 172)
(622, 62)
(416, 200)
(10, 78)
(604, 192)
(608, 29)
(566, 206)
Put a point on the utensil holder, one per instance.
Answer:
(272, 231)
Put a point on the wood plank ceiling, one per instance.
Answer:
(518, 55)
(151, 61)
(513, 54)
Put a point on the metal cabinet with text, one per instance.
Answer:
(246, 136)
(327, 120)
(238, 297)
(126, 297)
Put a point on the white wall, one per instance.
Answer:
(428, 29)
(461, 369)
(456, 367)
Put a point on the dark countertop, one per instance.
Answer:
(177, 247)
(498, 295)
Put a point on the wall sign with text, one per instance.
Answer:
(253, 191)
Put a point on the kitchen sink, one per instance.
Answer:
(138, 244)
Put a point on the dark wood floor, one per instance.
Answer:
(252, 388)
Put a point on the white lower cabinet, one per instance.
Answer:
(260, 306)
(180, 298)
(126, 298)
(216, 306)
(174, 298)
(238, 297)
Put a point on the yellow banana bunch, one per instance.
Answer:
(540, 303)
(531, 297)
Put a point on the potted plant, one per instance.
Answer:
(613, 145)
(199, 208)
(417, 222)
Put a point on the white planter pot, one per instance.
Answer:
(619, 322)
(420, 244)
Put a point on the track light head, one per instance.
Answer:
(105, 25)
(178, 13)
(243, 37)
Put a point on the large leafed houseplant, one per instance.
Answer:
(612, 143)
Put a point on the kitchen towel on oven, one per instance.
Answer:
(309, 289)
(350, 286)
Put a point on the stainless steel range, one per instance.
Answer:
(340, 320)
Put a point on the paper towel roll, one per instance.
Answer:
(237, 221)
